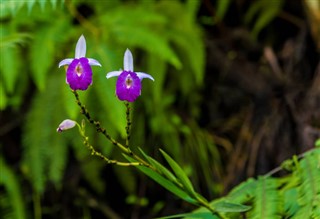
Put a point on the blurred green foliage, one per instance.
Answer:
(167, 42)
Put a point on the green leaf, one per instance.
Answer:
(113, 108)
(266, 11)
(243, 192)
(43, 50)
(197, 215)
(180, 174)
(225, 206)
(317, 143)
(10, 62)
(69, 101)
(10, 183)
(222, 7)
(164, 182)
(45, 151)
(309, 191)
(148, 40)
(13, 39)
(159, 167)
(3, 97)
(9, 7)
(267, 199)
(192, 47)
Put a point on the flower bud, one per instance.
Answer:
(66, 124)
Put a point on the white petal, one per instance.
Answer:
(113, 74)
(142, 75)
(65, 62)
(128, 61)
(66, 124)
(81, 47)
(94, 62)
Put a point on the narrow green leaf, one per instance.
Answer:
(243, 192)
(44, 158)
(30, 4)
(164, 182)
(149, 40)
(222, 7)
(8, 7)
(11, 185)
(225, 206)
(10, 62)
(159, 167)
(42, 50)
(44, 47)
(13, 39)
(199, 215)
(3, 97)
(180, 174)
(317, 143)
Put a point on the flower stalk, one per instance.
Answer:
(128, 123)
(126, 150)
(102, 130)
(128, 89)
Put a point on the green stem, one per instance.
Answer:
(98, 154)
(37, 205)
(102, 130)
(128, 123)
(126, 149)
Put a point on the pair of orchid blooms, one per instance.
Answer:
(79, 73)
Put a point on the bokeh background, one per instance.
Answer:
(236, 92)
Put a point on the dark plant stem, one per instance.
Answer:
(102, 130)
(128, 123)
(125, 149)
(98, 154)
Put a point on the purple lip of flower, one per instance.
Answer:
(79, 73)
(128, 85)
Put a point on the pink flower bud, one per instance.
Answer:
(66, 124)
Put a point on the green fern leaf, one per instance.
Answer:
(10, 63)
(43, 49)
(9, 7)
(11, 40)
(244, 192)
(149, 40)
(45, 151)
(266, 201)
(3, 97)
(266, 10)
(191, 46)
(309, 190)
(12, 187)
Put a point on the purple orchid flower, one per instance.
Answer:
(128, 85)
(79, 73)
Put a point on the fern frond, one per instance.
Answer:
(14, 204)
(12, 39)
(10, 65)
(43, 49)
(266, 200)
(309, 189)
(44, 150)
(11, 7)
